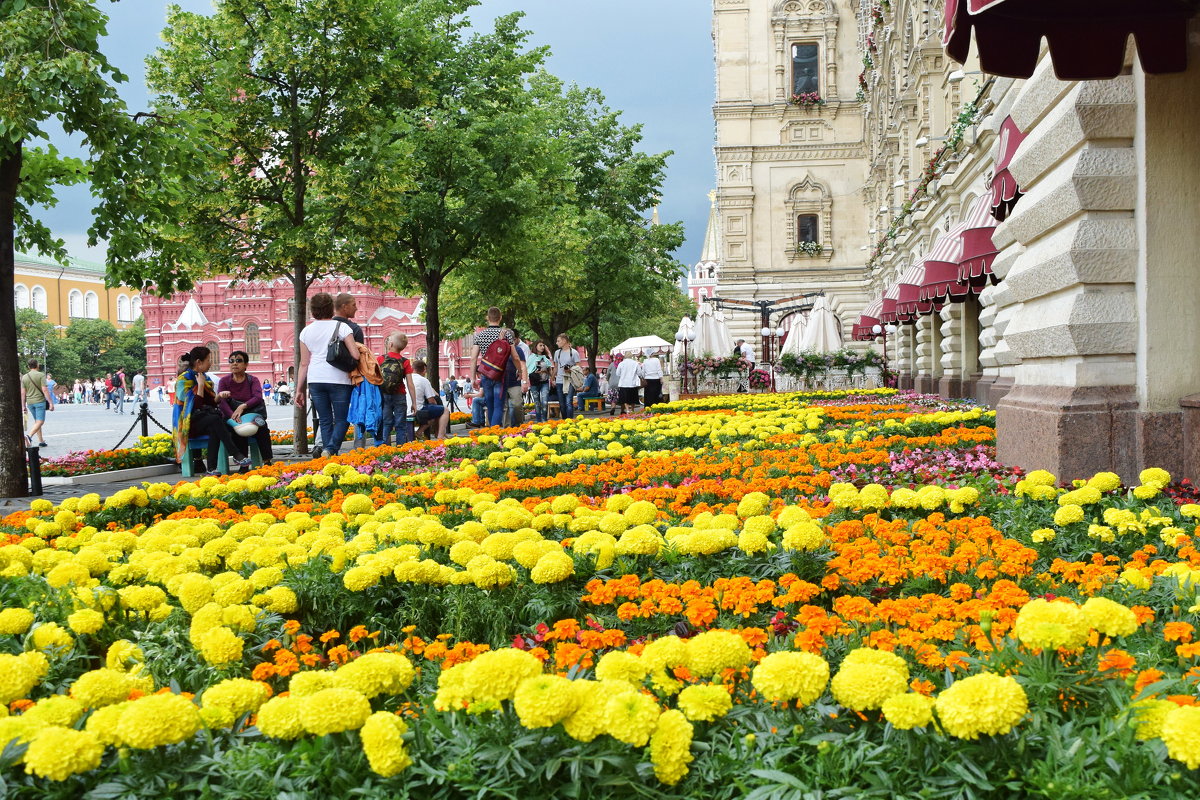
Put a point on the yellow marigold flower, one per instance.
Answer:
(1083, 496)
(1043, 535)
(355, 504)
(1068, 515)
(670, 747)
(1134, 577)
(1147, 491)
(642, 540)
(552, 567)
(1105, 481)
(101, 687)
(1154, 476)
(862, 684)
(761, 525)
(631, 717)
(981, 704)
(587, 722)
(220, 645)
(333, 710)
(305, 683)
(279, 717)
(1047, 625)
(804, 536)
(36, 660)
(618, 502)
(619, 665)
(543, 700)
(236, 696)
(1181, 735)
(753, 504)
(51, 638)
(641, 512)
(665, 652)
(931, 497)
(1149, 715)
(1110, 617)
(158, 719)
(873, 497)
(57, 753)
(374, 674)
(86, 621)
(57, 709)
(908, 710)
(714, 651)
(1040, 477)
(278, 600)
(15, 621)
(751, 542)
(383, 744)
(705, 702)
(1190, 510)
(781, 677)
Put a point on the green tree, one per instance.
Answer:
(94, 340)
(292, 116)
(35, 335)
(479, 163)
(52, 72)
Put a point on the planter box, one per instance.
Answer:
(135, 474)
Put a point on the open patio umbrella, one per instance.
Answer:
(712, 335)
(642, 344)
(822, 334)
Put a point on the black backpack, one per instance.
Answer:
(392, 370)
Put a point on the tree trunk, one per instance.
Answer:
(595, 326)
(300, 294)
(433, 328)
(13, 480)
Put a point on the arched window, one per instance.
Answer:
(75, 304)
(216, 354)
(805, 69)
(252, 340)
(137, 308)
(91, 305)
(123, 309)
(291, 312)
(21, 296)
(39, 300)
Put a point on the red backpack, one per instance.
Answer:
(495, 358)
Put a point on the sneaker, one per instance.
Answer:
(43, 444)
(245, 462)
(213, 474)
(315, 454)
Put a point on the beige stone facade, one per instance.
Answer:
(789, 174)
(1086, 338)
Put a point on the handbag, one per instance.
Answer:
(337, 354)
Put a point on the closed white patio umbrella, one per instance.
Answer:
(712, 335)
(822, 334)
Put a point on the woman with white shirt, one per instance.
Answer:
(629, 379)
(652, 371)
(329, 386)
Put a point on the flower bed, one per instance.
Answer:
(149, 450)
(736, 597)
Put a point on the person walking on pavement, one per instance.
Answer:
(565, 357)
(344, 308)
(139, 390)
(38, 398)
(120, 389)
(493, 388)
(652, 371)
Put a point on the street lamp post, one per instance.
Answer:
(686, 339)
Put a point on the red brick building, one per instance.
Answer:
(257, 317)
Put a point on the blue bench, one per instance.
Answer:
(199, 444)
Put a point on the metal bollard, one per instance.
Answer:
(144, 416)
(34, 457)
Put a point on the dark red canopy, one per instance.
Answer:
(910, 306)
(868, 319)
(1005, 191)
(891, 297)
(978, 252)
(1087, 37)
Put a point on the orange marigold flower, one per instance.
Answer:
(291, 627)
(1117, 661)
(271, 645)
(1182, 699)
(339, 654)
(303, 643)
(1145, 678)
(1188, 650)
(263, 671)
(921, 686)
(329, 636)
(358, 633)
(1178, 632)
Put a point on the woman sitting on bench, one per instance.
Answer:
(199, 414)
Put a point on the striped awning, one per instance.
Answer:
(1005, 191)
(868, 319)
(941, 270)
(891, 297)
(910, 305)
(978, 251)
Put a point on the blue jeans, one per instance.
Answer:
(393, 415)
(332, 402)
(478, 407)
(566, 400)
(493, 396)
(541, 396)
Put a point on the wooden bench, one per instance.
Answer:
(552, 410)
(593, 403)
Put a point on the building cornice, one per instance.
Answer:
(789, 152)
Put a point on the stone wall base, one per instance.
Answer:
(1077, 432)
(1190, 446)
(949, 388)
(997, 390)
(926, 384)
(906, 382)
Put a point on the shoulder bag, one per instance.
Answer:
(336, 352)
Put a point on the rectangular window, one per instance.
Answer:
(805, 72)
(806, 229)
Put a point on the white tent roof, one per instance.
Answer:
(821, 334)
(191, 316)
(642, 344)
(712, 334)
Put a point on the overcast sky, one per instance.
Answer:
(652, 59)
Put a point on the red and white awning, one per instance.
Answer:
(978, 251)
(891, 297)
(1005, 191)
(910, 305)
(941, 270)
(868, 319)
(1086, 37)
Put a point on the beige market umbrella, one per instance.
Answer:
(712, 335)
(822, 334)
(795, 336)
